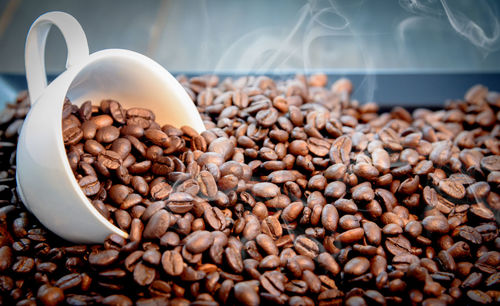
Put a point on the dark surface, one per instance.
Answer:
(409, 90)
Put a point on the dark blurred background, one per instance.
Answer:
(363, 39)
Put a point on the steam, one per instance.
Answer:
(323, 33)
(7, 92)
(273, 49)
(476, 21)
(284, 49)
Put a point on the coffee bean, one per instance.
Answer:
(398, 245)
(210, 158)
(468, 233)
(157, 225)
(222, 146)
(143, 275)
(292, 211)
(103, 258)
(90, 185)
(107, 134)
(69, 281)
(265, 190)
(452, 188)
(160, 191)
(23, 265)
(117, 299)
(207, 184)
(306, 246)
(364, 194)
(123, 219)
(340, 150)
(357, 266)
(329, 217)
(6, 258)
(267, 244)
(247, 293)
(110, 159)
(490, 163)
(140, 112)
(180, 202)
(351, 235)
(199, 241)
(478, 296)
(215, 218)
(328, 263)
(436, 224)
(116, 111)
(172, 263)
(234, 260)
(50, 295)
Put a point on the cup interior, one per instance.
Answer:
(134, 81)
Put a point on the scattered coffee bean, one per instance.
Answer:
(281, 200)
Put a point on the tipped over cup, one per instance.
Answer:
(45, 181)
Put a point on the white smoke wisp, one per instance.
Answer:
(475, 21)
(471, 30)
(299, 47)
(271, 49)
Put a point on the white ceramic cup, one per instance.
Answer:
(45, 182)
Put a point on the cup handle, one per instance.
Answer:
(34, 55)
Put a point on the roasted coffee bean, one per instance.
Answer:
(328, 263)
(143, 274)
(306, 246)
(357, 266)
(207, 184)
(199, 241)
(157, 225)
(413, 228)
(122, 146)
(398, 245)
(265, 190)
(452, 188)
(103, 258)
(222, 146)
(295, 194)
(234, 260)
(292, 211)
(478, 296)
(90, 185)
(50, 295)
(180, 202)
(72, 135)
(69, 281)
(267, 244)
(373, 232)
(436, 224)
(93, 147)
(117, 112)
(107, 134)
(23, 265)
(110, 159)
(246, 293)
(329, 217)
(172, 263)
(351, 235)
(468, 233)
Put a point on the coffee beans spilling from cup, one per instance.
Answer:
(295, 194)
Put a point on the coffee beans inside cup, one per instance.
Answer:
(295, 194)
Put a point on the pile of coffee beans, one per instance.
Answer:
(294, 195)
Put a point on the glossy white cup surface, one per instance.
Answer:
(46, 183)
